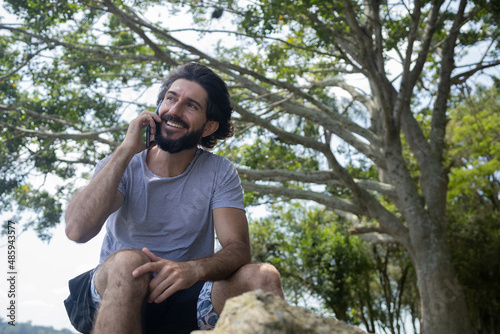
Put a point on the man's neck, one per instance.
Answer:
(166, 164)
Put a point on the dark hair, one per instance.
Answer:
(219, 107)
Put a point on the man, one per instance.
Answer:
(158, 272)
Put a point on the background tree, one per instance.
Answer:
(67, 64)
(473, 202)
(322, 264)
(28, 328)
(288, 236)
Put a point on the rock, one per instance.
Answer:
(258, 312)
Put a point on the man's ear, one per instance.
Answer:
(210, 128)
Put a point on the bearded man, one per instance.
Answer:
(161, 205)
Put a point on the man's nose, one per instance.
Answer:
(175, 109)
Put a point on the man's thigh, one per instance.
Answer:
(177, 314)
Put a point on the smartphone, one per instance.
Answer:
(148, 129)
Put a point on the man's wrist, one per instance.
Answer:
(199, 269)
(124, 152)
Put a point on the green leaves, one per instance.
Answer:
(475, 146)
(473, 201)
(43, 14)
(273, 154)
(315, 254)
(339, 102)
(318, 258)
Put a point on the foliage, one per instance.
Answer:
(474, 229)
(475, 147)
(319, 260)
(473, 202)
(51, 123)
(357, 91)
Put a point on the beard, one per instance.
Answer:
(188, 141)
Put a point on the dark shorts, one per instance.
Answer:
(177, 314)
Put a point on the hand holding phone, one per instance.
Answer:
(148, 129)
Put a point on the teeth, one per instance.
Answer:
(175, 125)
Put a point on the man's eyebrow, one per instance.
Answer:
(174, 93)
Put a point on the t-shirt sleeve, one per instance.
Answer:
(228, 192)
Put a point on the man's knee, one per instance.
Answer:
(125, 259)
(262, 276)
(117, 271)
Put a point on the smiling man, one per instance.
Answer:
(161, 206)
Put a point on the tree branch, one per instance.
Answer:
(32, 113)
(131, 23)
(349, 124)
(378, 238)
(369, 205)
(411, 128)
(26, 61)
(365, 229)
(462, 77)
(73, 136)
(332, 203)
(327, 178)
(78, 161)
(98, 50)
(282, 134)
(337, 126)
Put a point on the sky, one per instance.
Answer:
(43, 272)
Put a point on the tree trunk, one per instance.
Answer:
(443, 307)
(442, 300)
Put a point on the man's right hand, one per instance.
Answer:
(133, 142)
(89, 209)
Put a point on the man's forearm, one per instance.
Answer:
(89, 209)
(223, 263)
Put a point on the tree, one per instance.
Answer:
(360, 282)
(67, 61)
(473, 202)
(27, 328)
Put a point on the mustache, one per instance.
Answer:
(168, 117)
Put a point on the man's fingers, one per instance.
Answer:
(148, 267)
(157, 286)
(144, 269)
(148, 118)
(162, 292)
(153, 119)
(150, 255)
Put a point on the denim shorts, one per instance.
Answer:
(183, 312)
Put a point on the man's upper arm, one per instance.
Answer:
(231, 225)
(117, 202)
(119, 198)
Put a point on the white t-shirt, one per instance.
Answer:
(171, 216)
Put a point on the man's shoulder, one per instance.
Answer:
(137, 162)
(213, 158)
